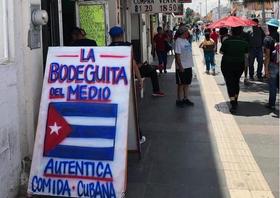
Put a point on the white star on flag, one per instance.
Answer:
(54, 128)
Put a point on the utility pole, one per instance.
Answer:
(263, 12)
(206, 7)
(219, 9)
(200, 9)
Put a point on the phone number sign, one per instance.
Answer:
(156, 6)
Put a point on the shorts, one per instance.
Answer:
(184, 78)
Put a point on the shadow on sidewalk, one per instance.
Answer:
(260, 87)
(254, 108)
(178, 158)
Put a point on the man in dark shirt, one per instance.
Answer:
(271, 62)
(79, 39)
(255, 50)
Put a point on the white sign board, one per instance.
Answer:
(81, 141)
(156, 6)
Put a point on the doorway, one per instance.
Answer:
(93, 18)
(64, 15)
(50, 32)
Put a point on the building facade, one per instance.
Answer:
(23, 52)
(21, 79)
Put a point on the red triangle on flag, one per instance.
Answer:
(57, 129)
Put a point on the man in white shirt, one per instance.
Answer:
(184, 64)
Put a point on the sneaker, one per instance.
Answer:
(165, 71)
(188, 102)
(207, 72)
(158, 94)
(251, 78)
(143, 139)
(179, 103)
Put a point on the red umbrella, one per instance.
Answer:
(232, 21)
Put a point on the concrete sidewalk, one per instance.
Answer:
(259, 125)
(192, 152)
(178, 158)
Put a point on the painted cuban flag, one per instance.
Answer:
(78, 130)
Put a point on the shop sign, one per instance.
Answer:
(156, 6)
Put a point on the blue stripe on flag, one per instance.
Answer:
(86, 109)
(76, 152)
(107, 132)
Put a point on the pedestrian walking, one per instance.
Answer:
(170, 41)
(184, 64)
(256, 38)
(271, 48)
(234, 49)
(245, 37)
(215, 36)
(208, 46)
(196, 31)
(160, 42)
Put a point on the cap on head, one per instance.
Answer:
(273, 22)
(116, 31)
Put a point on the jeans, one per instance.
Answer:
(162, 58)
(255, 53)
(272, 82)
(209, 59)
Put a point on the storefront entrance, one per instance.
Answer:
(92, 16)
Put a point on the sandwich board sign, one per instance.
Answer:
(81, 140)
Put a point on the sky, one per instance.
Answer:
(210, 5)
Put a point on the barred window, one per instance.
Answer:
(3, 32)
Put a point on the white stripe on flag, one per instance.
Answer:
(90, 121)
(88, 142)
